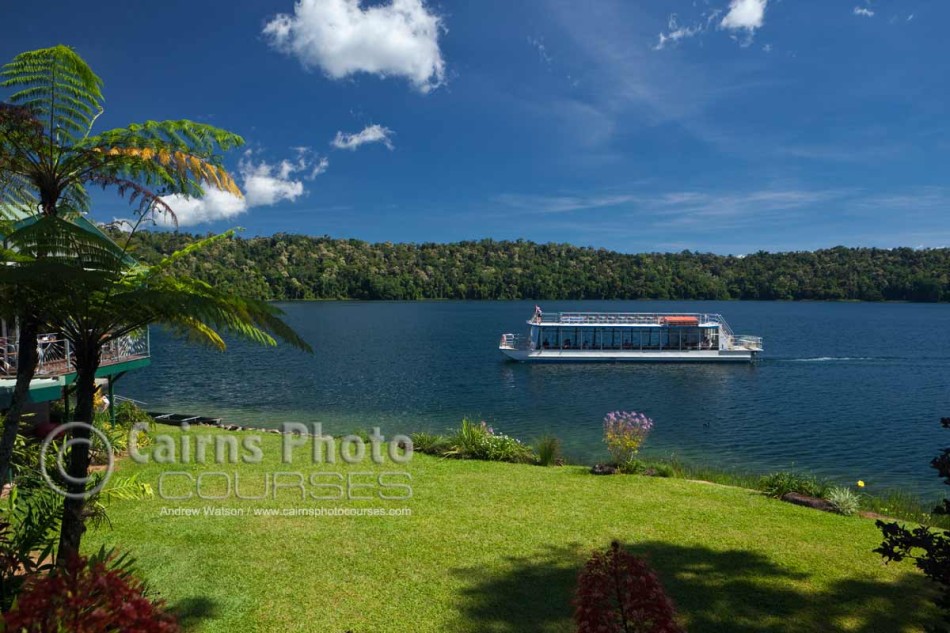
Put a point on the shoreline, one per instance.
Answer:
(892, 503)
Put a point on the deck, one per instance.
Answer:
(56, 356)
(627, 318)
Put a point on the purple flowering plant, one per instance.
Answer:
(624, 433)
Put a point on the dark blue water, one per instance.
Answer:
(845, 390)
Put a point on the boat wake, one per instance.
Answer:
(828, 359)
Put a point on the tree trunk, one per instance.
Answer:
(87, 357)
(27, 359)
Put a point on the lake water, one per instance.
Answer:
(844, 390)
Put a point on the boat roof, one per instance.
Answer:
(641, 319)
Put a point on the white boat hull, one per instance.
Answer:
(629, 356)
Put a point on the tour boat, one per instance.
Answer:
(629, 336)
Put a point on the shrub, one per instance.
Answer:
(549, 450)
(29, 531)
(128, 414)
(662, 470)
(429, 443)
(624, 434)
(844, 500)
(648, 469)
(86, 596)
(929, 549)
(619, 593)
(778, 484)
(632, 467)
(480, 441)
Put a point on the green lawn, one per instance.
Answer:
(496, 547)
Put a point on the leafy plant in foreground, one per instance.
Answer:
(844, 500)
(479, 441)
(619, 593)
(88, 596)
(929, 549)
(624, 433)
(29, 530)
(429, 443)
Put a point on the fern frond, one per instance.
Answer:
(182, 135)
(187, 165)
(58, 87)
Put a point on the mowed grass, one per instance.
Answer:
(497, 547)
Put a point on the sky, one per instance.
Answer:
(728, 126)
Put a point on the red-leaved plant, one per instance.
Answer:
(619, 593)
(88, 597)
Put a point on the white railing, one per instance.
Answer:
(513, 341)
(55, 354)
(744, 341)
(635, 318)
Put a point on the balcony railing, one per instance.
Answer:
(55, 354)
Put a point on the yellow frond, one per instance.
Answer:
(184, 163)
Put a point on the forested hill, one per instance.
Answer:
(299, 267)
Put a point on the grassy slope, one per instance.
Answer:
(496, 547)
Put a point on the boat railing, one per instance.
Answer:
(744, 342)
(513, 341)
(626, 318)
(55, 354)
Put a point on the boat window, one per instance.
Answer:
(549, 338)
(569, 338)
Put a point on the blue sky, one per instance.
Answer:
(722, 125)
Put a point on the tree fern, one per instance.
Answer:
(49, 155)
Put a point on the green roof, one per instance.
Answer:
(21, 218)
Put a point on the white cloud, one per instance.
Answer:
(370, 134)
(543, 55)
(214, 205)
(863, 11)
(342, 38)
(677, 33)
(263, 183)
(322, 165)
(561, 204)
(745, 14)
(266, 185)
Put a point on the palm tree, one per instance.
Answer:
(49, 156)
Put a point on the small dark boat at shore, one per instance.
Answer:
(176, 419)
